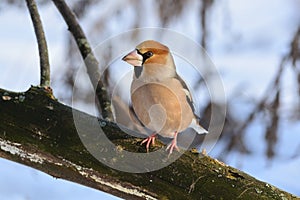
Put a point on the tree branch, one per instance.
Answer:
(39, 132)
(42, 43)
(269, 100)
(88, 56)
(206, 4)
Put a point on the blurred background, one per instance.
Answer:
(255, 45)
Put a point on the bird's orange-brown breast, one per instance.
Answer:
(163, 109)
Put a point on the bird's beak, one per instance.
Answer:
(133, 58)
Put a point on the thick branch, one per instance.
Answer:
(38, 131)
(42, 44)
(87, 54)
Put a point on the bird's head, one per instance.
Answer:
(154, 57)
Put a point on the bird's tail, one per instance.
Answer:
(197, 127)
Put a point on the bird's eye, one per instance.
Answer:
(148, 54)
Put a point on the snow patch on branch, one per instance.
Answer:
(89, 173)
(14, 149)
(119, 187)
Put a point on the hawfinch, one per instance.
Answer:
(160, 98)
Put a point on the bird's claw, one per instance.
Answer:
(171, 146)
(149, 140)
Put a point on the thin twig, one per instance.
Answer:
(271, 132)
(42, 43)
(206, 4)
(273, 86)
(88, 56)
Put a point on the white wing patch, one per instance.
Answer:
(187, 93)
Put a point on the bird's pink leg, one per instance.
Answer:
(173, 144)
(150, 139)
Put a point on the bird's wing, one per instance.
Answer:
(195, 122)
(187, 93)
(134, 116)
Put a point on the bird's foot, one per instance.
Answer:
(173, 145)
(149, 140)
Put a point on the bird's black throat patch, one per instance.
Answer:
(137, 71)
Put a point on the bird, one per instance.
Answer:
(161, 100)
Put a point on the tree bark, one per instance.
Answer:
(42, 43)
(38, 131)
(91, 62)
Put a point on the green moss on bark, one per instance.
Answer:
(45, 127)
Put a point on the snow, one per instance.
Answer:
(246, 42)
